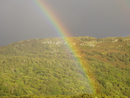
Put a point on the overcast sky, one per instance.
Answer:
(22, 19)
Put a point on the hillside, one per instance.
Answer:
(48, 67)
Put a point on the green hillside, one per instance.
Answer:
(47, 67)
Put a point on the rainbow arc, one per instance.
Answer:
(62, 31)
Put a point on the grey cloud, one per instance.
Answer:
(22, 19)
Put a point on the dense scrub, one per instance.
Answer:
(66, 96)
(48, 67)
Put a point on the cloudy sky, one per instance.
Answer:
(22, 19)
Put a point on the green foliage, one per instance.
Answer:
(46, 68)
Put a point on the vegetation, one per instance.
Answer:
(48, 68)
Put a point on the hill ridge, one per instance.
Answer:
(47, 67)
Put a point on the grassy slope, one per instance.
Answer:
(47, 67)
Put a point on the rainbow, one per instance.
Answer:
(62, 31)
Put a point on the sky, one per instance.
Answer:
(22, 19)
